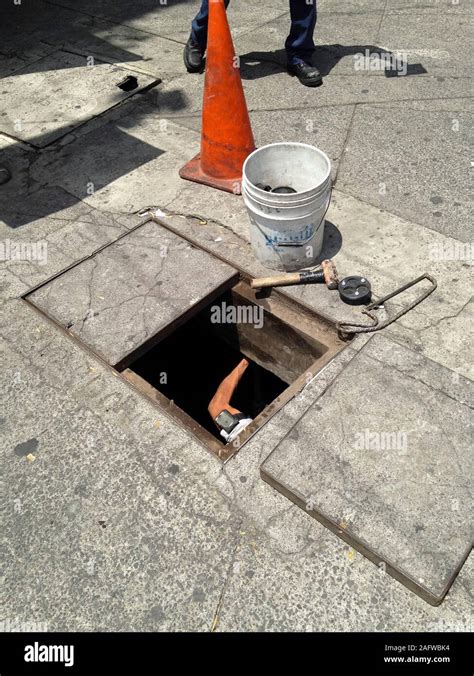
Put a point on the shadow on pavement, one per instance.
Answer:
(332, 242)
(254, 65)
(29, 30)
(86, 166)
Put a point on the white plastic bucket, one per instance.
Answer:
(287, 230)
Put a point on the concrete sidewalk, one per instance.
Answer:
(119, 520)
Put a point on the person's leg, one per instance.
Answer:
(199, 25)
(299, 44)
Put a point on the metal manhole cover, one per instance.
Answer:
(50, 97)
(384, 459)
(121, 297)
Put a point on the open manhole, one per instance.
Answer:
(284, 348)
(174, 320)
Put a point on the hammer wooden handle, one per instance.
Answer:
(326, 275)
(277, 280)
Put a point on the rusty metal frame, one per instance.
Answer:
(295, 313)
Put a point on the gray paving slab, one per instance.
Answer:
(423, 171)
(61, 365)
(366, 460)
(69, 91)
(31, 32)
(324, 585)
(93, 540)
(243, 16)
(341, 39)
(138, 49)
(30, 29)
(325, 128)
(24, 211)
(449, 339)
(9, 63)
(349, 6)
(450, 105)
(183, 96)
(173, 20)
(144, 150)
(43, 248)
(121, 297)
(17, 158)
(439, 6)
(439, 41)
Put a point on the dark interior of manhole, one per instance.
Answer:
(188, 365)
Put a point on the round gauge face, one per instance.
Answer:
(355, 290)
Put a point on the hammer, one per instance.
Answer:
(327, 275)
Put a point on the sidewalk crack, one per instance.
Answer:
(216, 618)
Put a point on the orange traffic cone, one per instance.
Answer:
(226, 137)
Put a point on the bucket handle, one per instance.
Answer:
(308, 239)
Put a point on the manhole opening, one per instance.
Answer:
(284, 348)
(188, 366)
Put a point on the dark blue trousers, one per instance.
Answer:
(299, 44)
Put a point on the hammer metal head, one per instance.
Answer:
(330, 274)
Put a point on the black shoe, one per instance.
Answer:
(193, 57)
(306, 74)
